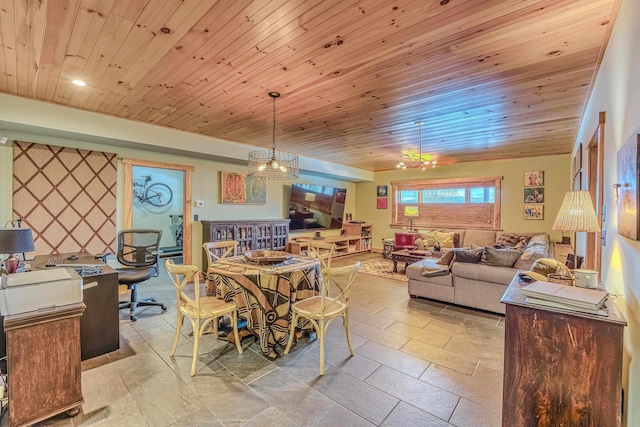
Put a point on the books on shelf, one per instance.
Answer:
(568, 297)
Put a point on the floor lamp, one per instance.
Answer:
(576, 215)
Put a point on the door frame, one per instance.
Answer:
(595, 174)
(186, 209)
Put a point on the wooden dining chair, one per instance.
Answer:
(321, 310)
(323, 251)
(198, 308)
(214, 252)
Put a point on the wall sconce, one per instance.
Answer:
(616, 195)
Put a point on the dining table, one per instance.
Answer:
(264, 293)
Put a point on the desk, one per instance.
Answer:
(100, 324)
(264, 293)
(560, 367)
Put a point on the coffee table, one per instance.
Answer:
(408, 257)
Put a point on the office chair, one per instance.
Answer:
(138, 251)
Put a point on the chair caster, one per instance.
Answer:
(163, 307)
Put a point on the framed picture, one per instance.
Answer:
(382, 202)
(534, 195)
(238, 188)
(534, 212)
(382, 191)
(534, 179)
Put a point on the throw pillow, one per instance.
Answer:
(501, 257)
(508, 239)
(524, 241)
(445, 239)
(538, 239)
(468, 256)
(429, 238)
(447, 257)
(529, 256)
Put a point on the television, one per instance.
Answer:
(312, 207)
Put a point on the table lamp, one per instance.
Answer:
(309, 197)
(576, 215)
(410, 211)
(14, 241)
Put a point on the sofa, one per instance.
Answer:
(477, 283)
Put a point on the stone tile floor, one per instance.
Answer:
(417, 362)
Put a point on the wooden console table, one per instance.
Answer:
(43, 361)
(560, 367)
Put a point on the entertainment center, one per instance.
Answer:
(356, 237)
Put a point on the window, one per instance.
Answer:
(448, 203)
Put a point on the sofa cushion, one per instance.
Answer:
(414, 271)
(484, 273)
(479, 237)
(471, 256)
(501, 257)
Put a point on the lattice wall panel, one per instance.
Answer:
(67, 196)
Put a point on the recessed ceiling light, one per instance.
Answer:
(78, 83)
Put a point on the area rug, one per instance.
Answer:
(383, 268)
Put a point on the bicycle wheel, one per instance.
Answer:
(158, 194)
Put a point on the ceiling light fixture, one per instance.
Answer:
(78, 82)
(273, 164)
(420, 163)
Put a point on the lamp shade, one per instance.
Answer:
(410, 211)
(577, 213)
(16, 240)
(310, 197)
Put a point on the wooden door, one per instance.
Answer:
(595, 165)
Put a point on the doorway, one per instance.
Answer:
(595, 165)
(147, 179)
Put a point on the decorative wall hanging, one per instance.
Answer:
(238, 188)
(534, 179)
(382, 202)
(67, 196)
(627, 165)
(534, 195)
(382, 191)
(534, 212)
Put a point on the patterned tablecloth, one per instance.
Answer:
(264, 293)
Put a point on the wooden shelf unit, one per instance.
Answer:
(356, 238)
(250, 234)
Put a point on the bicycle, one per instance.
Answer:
(157, 194)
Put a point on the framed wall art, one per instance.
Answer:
(382, 202)
(534, 195)
(382, 191)
(628, 182)
(534, 212)
(238, 188)
(534, 179)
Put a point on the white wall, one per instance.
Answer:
(617, 93)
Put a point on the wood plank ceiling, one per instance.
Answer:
(490, 79)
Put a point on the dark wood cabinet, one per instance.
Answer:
(250, 234)
(560, 367)
(43, 360)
